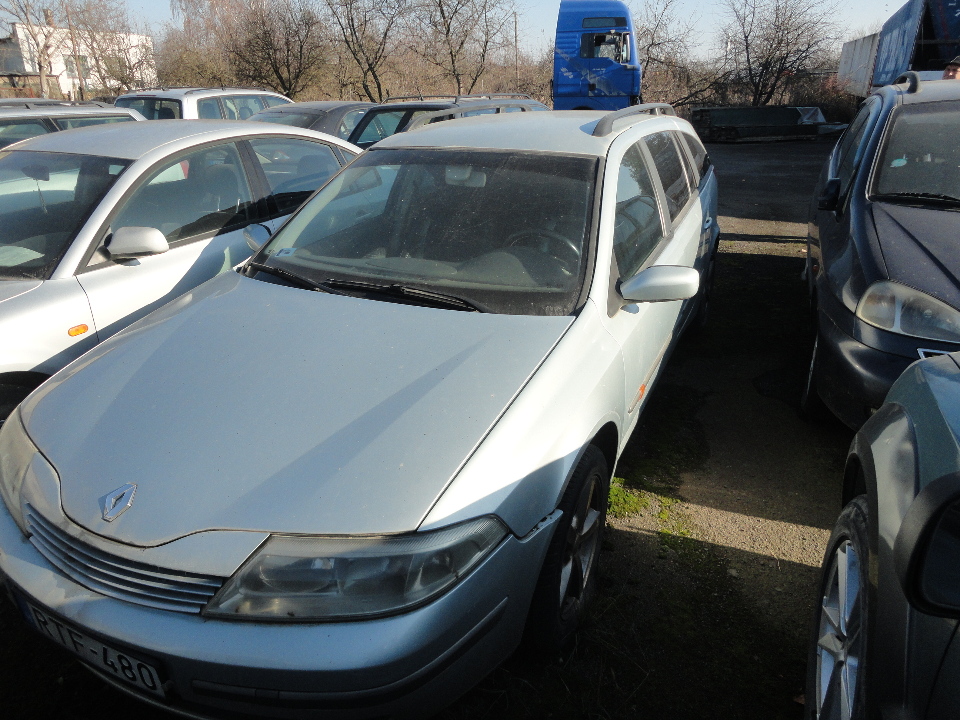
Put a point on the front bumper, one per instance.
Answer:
(853, 378)
(408, 665)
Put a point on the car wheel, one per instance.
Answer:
(812, 408)
(568, 576)
(835, 666)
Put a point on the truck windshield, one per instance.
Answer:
(44, 200)
(505, 231)
(920, 158)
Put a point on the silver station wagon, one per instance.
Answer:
(345, 480)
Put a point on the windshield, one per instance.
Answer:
(44, 200)
(302, 120)
(505, 231)
(920, 158)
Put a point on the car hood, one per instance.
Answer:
(920, 248)
(255, 406)
(11, 288)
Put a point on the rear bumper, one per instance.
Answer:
(409, 665)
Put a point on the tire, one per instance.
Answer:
(836, 661)
(812, 407)
(568, 577)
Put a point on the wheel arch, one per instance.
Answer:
(607, 440)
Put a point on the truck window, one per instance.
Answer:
(613, 46)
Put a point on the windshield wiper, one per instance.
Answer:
(397, 290)
(294, 277)
(936, 197)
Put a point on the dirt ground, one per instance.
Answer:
(722, 511)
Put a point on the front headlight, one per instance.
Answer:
(16, 452)
(326, 578)
(900, 309)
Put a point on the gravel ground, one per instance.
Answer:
(724, 505)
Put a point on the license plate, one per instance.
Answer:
(113, 662)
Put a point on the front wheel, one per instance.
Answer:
(835, 664)
(568, 576)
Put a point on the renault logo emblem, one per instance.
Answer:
(114, 504)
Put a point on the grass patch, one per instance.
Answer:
(624, 501)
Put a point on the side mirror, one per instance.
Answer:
(661, 283)
(830, 197)
(127, 243)
(926, 553)
(256, 235)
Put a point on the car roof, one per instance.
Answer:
(566, 131)
(456, 103)
(198, 91)
(318, 106)
(63, 110)
(131, 141)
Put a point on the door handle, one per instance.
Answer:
(708, 223)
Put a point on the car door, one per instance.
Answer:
(293, 169)
(200, 200)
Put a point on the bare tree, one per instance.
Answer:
(458, 36)
(767, 42)
(369, 30)
(38, 24)
(279, 44)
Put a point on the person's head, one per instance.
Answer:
(952, 71)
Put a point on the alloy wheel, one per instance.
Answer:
(582, 545)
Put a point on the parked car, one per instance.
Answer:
(22, 120)
(884, 637)
(192, 103)
(103, 224)
(336, 117)
(398, 114)
(348, 476)
(882, 263)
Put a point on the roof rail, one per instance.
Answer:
(227, 87)
(605, 126)
(911, 78)
(457, 98)
(421, 120)
(34, 105)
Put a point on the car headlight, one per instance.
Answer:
(325, 578)
(16, 452)
(900, 309)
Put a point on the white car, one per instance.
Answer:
(197, 103)
(100, 225)
(346, 479)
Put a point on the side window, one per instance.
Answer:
(272, 101)
(613, 46)
(202, 192)
(637, 226)
(850, 149)
(84, 121)
(349, 122)
(244, 105)
(208, 109)
(671, 171)
(700, 158)
(294, 168)
(380, 125)
(12, 131)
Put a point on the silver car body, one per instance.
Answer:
(188, 101)
(35, 315)
(403, 419)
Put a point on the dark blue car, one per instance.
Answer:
(884, 247)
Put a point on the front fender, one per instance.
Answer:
(521, 468)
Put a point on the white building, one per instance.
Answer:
(77, 59)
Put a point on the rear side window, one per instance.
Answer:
(12, 131)
(349, 122)
(273, 101)
(701, 159)
(294, 168)
(637, 227)
(153, 108)
(85, 121)
(670, 168)
(380, 125)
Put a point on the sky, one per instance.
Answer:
(538, 18)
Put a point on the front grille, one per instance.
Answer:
(119, 577)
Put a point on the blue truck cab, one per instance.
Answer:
(595, 63)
